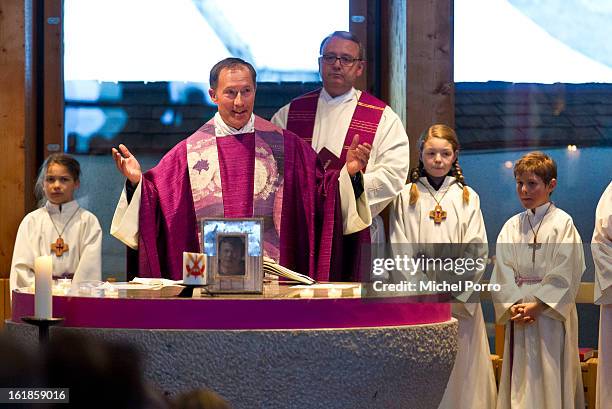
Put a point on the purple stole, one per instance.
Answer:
(355, 263)
(367, 114)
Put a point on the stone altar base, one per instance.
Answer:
(379, 367)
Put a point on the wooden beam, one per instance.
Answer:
(430, 96)
(53, 77)
(417, 64)
(17, 128)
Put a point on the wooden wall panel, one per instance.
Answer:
(16, 122)
(53, 77)
(31, 106)
(430, 87)
(417, 64)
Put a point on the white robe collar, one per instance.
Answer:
(340, 99)
(222, 129)
(448, 181)
(540, 211)
(67, 208)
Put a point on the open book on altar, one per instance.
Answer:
(145, 287)
(272, 267)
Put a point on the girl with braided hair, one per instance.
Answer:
(437, 207)
(60, 228)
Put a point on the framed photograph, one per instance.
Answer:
(231, 252)
(234, 254)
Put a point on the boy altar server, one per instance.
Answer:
(539, 264)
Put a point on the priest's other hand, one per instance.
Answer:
(357, 156)
(127, 164)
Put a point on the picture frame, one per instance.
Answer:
(234, 254)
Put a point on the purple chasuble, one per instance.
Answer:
(353, 256)
(270, 173)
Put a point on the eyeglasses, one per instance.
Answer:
(330, 59)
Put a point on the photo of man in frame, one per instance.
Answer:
(231, 251)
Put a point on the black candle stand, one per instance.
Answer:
(43, 325)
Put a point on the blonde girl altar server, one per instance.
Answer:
(539, 263)
(61, 228)
(602, 256)
(438, 207)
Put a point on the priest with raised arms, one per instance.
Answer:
(240, 165)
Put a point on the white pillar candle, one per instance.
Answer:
(43, 279)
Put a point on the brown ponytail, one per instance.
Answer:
(458, 174)
(415, 174)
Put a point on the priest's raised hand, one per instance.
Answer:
(357, 156)
(127, 164)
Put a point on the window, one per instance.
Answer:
(545, 42)
(536, 75)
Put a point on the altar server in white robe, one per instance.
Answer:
(602, 256)
(539, 263)
(334, 116)
(61, 228)
(438, 207)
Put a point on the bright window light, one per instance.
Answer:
(544, 41)
(180, 40)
